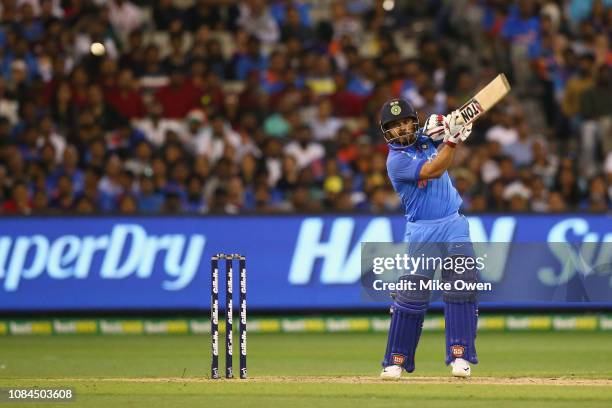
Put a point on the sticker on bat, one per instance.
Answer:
(471, 110)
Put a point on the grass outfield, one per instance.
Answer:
(560, 369)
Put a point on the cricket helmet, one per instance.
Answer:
(394, 110)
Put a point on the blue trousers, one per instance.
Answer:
(448, 236)
(445, 237)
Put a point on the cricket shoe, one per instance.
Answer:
(461, 368)
(393, 372)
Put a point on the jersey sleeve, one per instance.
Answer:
(404, 168)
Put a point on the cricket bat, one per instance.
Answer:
(485, 99)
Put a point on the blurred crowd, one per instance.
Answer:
(216, 106)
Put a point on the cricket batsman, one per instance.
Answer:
(417, 166)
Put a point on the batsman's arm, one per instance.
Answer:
(439, 164)
(455, 132)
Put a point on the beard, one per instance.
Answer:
(403, 136)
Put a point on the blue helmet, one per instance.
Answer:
(394, 110)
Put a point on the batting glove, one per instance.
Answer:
(455, 125)
(434, 127)
(466, 131)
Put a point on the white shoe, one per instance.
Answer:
(393, 372)
(461, 368)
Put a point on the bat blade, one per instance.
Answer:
(485, 99)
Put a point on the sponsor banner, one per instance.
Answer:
(293, 262)
(491, 323)
(334, 324)
(166, 327)
(434, 323)
(30, 327)
(264, 326)
(65, 326)
(605, 322)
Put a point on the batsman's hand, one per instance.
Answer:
(466, 131)
(434, 127)
(456, 129)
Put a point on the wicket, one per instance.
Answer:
(229, 312)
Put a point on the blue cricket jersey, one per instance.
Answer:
(423, 199)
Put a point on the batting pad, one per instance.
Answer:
(461, 322)
(404, 333)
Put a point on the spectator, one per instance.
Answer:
(255, 19)
(47, 159)
(133, 56)
(63, 110)
(290, 174)
(85, 206)
(48, 135)
(596, 111)
(215, 60)
(110, 184)
(319, 74)
(325, 126)
(63, 197)
(539, 196)
(127, 204)
(598, 200)
(165, 122)
(178, 97)
(278, 124)
(345, 24)
(148, 200)
(125, 16)
(176, 56)
(155, 127)
(103, 115)
(294, 27)
(125, 97)
(164, 13)
(219, 203)
(567, 186)
(303, 149)
(202, 13)
(40, 202)
(248, 58)
(235, 194)
(89, 190)
(556, 203)
(521, 29)
(577, 85)
(504, 132)
(124, 140)
(140, 162)
(19, 203)
(520, 150)
(32, 28)
(194, 199)
(8, 106)
(152, 76)
(70, 167)
(213, 139)
(194, 126)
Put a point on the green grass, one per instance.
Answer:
(82, 361)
